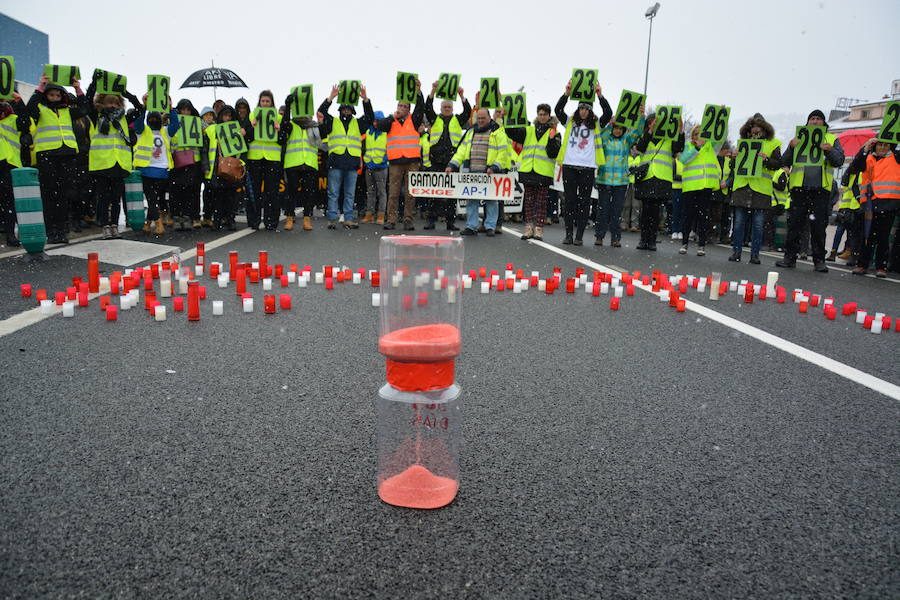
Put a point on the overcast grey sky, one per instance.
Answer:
(779, 57)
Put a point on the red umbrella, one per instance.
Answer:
(853, 139)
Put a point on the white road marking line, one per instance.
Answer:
(34, 315)
(838, 368)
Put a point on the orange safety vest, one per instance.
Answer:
(403, 140)
(883, 177)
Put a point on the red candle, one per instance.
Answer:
(294, 267)
(202, 289)
(178, 303)
(613, 303)
(104, 302)
(645, 280)
(673, 298)
(520, 273)
(473, 274)
(681, 305)
(422, 299)
(376, 279)
(154, 271)
(867, 323)
(60, 298)
(830, 314)
(723, 288)
(534, 281)
(201, 253)
(148, 280)
(149, 297)
(629, 289)
(848, 308)
(501, 285)
(70, 293)
(748, 294)
(340, 277)
(83, 287)
(232, 265)
(482, 272)
(510, 281)
(112, 312)
(269, 304)
(214, 270)
(762, 292)
(82, 299)
(329, 283)
(263, 263)
(885, 323)
(284, 280)
(41, 295)
(285, 301)
(26, 290)
(240, 281)
(570, 285)
(328, 271)
(254, 275)
(509, 266)
(595, 289)
(94, 272)
(76, 281)
(804, 306)
(814, 301)
(407, 302)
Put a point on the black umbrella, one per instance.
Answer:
(213, 77)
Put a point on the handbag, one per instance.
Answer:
(183, 158)
(230, 169)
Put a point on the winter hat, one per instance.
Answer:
(185, 103)
(586, 105)
(816, 113)
(352, 109)
(207, 109)
(379, 115)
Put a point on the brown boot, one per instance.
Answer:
(847, 253)
(538, 233)
(160, 228)
(529, 232)
(368, 218)
(166, 219)
(288, 223)
(379, 218)
(146, 227)
(307, 223)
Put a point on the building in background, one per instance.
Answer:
(29, 47)
(858, 114)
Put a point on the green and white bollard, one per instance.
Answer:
(29, 209)
(134, 201)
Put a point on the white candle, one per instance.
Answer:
(198, 270)
(254, 265)
(525, 285)
(320, 277)
(104, 285)
(396, 279)
(451, 294)
(517, 287)
(68, 309)
(436, 284)
(732, 286)
(467, 282)
(222, 281)
(604, 288)
(535, 274)
(46, 307)
(267, 284)
(182, 285)
(876, 326)
(302, 281)
(218, 308)
(292, 277)
(357, 278)
(376, 299)
(165, 288)
(542, 285)
(860, 316)
(248, 305)
(618, 291)
(485, 287)
(159, 313)
(772, 279)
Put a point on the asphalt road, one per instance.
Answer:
(638, 453)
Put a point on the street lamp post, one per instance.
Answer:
(651, 12)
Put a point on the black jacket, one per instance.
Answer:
(560, 111)
(442, 151)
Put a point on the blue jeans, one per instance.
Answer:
(491, 212)
(612, 200)
(741, 216)
(338, 178)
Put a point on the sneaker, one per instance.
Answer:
(466, 231)
(351, 225)
(113, 229)
(701, 251)
(682, 250)
(847, 253)
(197, 224)
(880, 273)
(489, 232)
(616, 244)
(106, 235)
(860, 271)
(642, 245)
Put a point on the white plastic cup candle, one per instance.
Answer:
(376, 299)
(357, 278)
(542, 285)
(292, 277)
(451, 294)
(248, 305)
(604, 288)
(159, 313)
(617, 291)
(218, 308)
(860, 316)
(68, 309)
(320, 277)
(267, 284)
(485, 287)
(47, 307)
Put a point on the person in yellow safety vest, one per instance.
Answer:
(509, 159)
(264, 163)
(751, 196)
(848, 219)
(344, 154)
(654, 188)
(445, 135)
(109, 159)
(811, 196)
(700, 176)
(153, 157)
(185, 177)
(482, 150)
(404, 156)
(13, 122)
(376, 164)
(223, 197)
(540, 147)
(53, 112)
(880, 162)
(300, 138)
(631, 211)
(579, 156)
